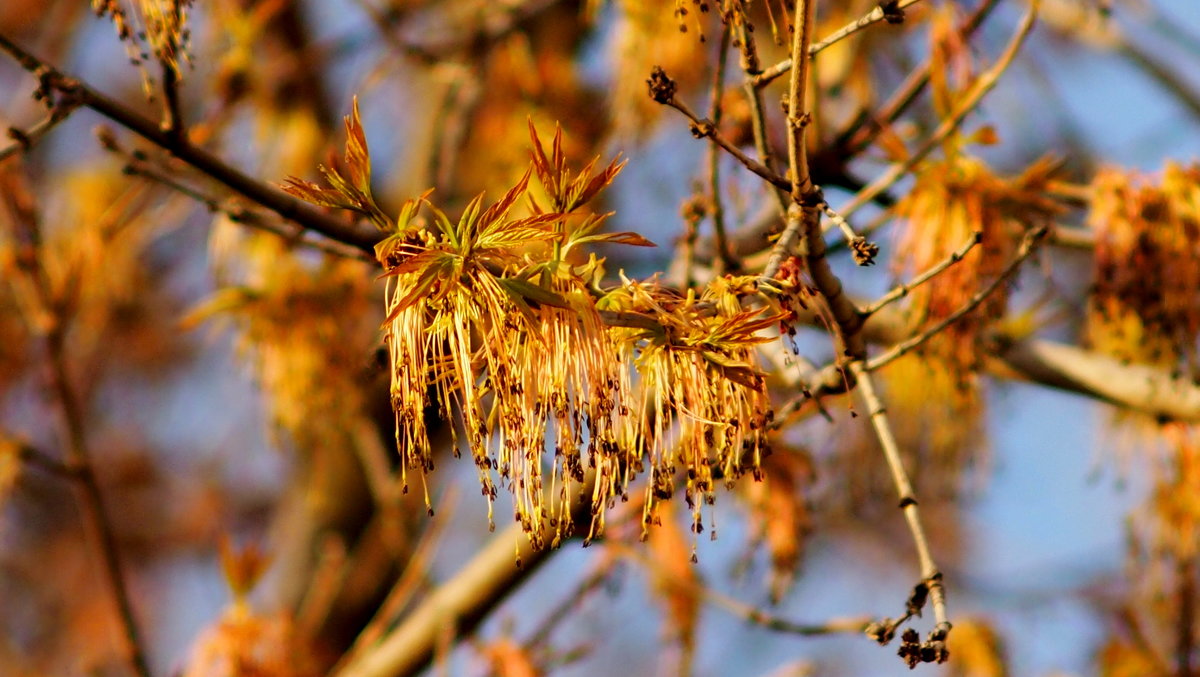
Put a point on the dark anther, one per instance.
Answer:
(910, 648)
(892, 13)
(662, 88)
(881, 631)
(864, 252)
(916, 601)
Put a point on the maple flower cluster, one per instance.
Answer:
(497, 321)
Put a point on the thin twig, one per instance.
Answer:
(724, 255)
(896, 11)
(54, 311)
(930, 574)
(257, 191)
(1028, 245)
(903, 289)
(774, 623)
(97, 523)
(95, 514)
(758, 124)
(798, 116)
(23, 139)
(906, 94)
(137, 166)
(984, 84)
(840, 222)
(704, 128)
(745, 611)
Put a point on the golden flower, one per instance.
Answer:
(703, 397)
(492, 319)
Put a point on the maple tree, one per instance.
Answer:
(475, 285)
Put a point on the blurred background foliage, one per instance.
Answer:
(229, 385)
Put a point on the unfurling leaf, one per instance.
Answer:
(353, 193)
(358, 160)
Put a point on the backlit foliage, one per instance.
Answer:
(936, 395)
(1164, 536)
(952, 202)
(490, 313)
(1145, 306)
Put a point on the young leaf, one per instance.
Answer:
(501, 207)
(358, 160)
(616, 238)
(315, 194)
(533, 292)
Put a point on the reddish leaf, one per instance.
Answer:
(358, 159)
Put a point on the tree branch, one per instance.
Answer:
(78, 468)
(930, 574)
(461, 603)
(984, 84)
(1028, 244)
(257, 191)
(865, 21)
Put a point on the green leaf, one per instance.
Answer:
(533, 292)
(616, 238)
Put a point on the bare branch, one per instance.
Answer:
(704, 128)
(798, 116)
(79, 468)
(1028, 244)
(774, 623)
(23, 139)
(984, 84)
(904, 95)
(893, 12)
(903, 289)
(724, 255)
(258, 191)
(463, 601)
(930, 575)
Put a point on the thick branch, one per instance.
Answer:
(461, 603)
(1141, 388)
